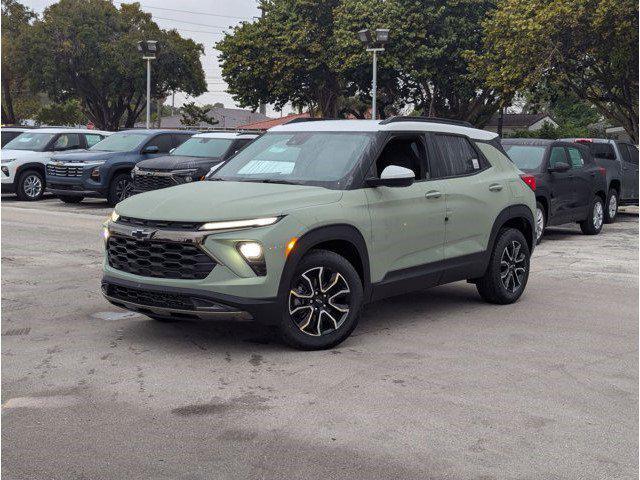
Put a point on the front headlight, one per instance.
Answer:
(237, 224)
(8, 160)
(186, 174)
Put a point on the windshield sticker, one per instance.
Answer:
(267, 166)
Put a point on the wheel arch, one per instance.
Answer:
(519, 217)
(117, 170)
(39, 167)
(544, 201)
(615, 184)
(343, 239)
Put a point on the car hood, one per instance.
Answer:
(213, 201)
(84, 156)
(173, 162)
(22, 154)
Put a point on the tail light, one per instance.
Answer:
(529, 180)
(583, 140)
(603, 171)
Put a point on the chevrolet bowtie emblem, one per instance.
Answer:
(140, 234)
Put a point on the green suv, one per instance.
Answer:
(316, 218)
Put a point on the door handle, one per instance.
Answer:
(496, 187)
(433, 194)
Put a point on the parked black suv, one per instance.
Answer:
(193, 160)
(570, 187)
(620, 159)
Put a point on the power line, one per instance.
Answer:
(195, 13)
(193, 23)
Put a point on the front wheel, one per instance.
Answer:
(30, 186)
(611, 211)
(322, 303)
(508, 271)
(593, 224)
(121, 187)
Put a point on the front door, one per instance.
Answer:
(407, 222)
(560, 188)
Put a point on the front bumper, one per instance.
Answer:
(78, 186)
(185, 303)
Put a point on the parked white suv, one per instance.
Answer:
(24, 158)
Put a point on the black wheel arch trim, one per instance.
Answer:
(519, 211)
(32, 166)
(312, 238)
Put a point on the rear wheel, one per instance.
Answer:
(70, 198)
(30, 185)
(508, 271)
(121, 187)
(322, 303)
(541, 222)
(593, 224)
(611, 210)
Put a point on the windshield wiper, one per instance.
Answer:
(275, 180)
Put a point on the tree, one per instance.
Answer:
(67, 113)
(424, 63)
(17, 101)
(86, 49)
(194, 115)
(286, 56)
(588, 47)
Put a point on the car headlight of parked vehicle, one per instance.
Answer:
(8, 160)
(187, 175)
(239, 224)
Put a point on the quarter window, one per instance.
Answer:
(459, 157)
(575, 157)
(557, 156)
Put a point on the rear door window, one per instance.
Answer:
(67, 141)
(459, 157)
(632, 152)
(575, 157)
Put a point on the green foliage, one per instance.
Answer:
(288, 56)
(86, 49)
(588, 47)
(18, 102)
(566, 130)
(66, 113)
(194, 115)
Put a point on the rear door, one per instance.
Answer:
(560, 188)
(583, 179)
(629, 172)
(632, 157)
(476, 193)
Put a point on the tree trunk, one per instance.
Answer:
(8, 114)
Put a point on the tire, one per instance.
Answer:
(120, 188)
(611, 210)
(31, 185)
(70, 198)
(504, 284)
(593, 224)
(541, 222)
(318, 287)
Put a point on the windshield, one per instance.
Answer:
(120, 142)
(526, 157)
(203, 147)
(307, 158)
(30, 141)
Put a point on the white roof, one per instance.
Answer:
(67, 130)
(16, 129)
(377, 126)
(224, 135)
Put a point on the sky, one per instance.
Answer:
(202, 20)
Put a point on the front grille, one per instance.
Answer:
(150, 258)
(144, 183)
(64, 170)
(150, 298)
(164, 224)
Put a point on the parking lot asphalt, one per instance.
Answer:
(431, 385)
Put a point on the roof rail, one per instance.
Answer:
(303, 119)
(403, 118)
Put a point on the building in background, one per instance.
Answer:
(226, 117)
(272, 122)
(514, 122)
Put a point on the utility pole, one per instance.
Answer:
(148, 48)
(374, 46)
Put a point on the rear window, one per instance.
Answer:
(526, 157)
(601, 150)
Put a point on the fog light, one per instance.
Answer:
(95, 174)
(5, 170)
(251, 250)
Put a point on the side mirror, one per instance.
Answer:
(560, 167)
(151, 149)
(393, 176)
(171, 151)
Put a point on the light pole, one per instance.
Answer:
(374, 46)
(148, 48)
